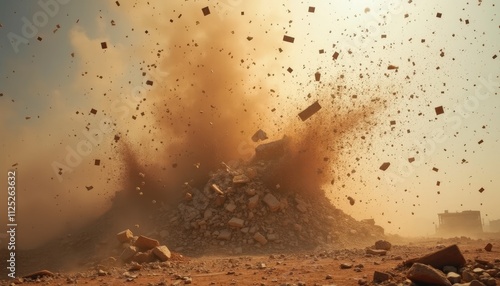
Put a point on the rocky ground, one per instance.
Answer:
(241, 228)
(321, 267)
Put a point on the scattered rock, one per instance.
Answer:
(144, 257)
(453, 277)
(260, 238)
(488, 247)
(236, 222)
(162, 252)
(421, 273)
(450, 256)
(379, 277)
(383, 244)
(272, 202)
(346, 266)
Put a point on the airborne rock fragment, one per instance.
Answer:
(288, 39)
(384, 166)
(310, 111)
(206, 11)
(260, 135)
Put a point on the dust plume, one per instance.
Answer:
(207, 108)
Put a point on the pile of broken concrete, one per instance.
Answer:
(237, 212)
(141, 249)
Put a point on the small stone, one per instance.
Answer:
(345, 265)
(488, 247)
(230, 207)
(224, 235)
(453, 277)
(135, 266)
(236, 222)
(240, 179)
(253, 202)
(187, 280)
(145, 242)
(251, 192)
(260, 238)
(329, 277)
(272, 237)
(477, 270)
(467, 276)
(383, 244)
(144, 257)
(379, 277)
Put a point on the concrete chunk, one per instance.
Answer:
(421, 273)
(310, 110)
(379, 277)
(125, 236)
(450, 255)
(240, 179)
(224, 235)
(383, 244)
(128, 253)
(488, 247)
(236, 222)
(288, 39)
(272, 202)
(260, 238)
(162, 252)
(144, 242)
(144, 257)
(380, 252)
(453, 277)
(271, 150)
(253, 202)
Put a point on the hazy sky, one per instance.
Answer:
(53, 72)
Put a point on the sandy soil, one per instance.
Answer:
(319, 267)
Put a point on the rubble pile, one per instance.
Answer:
(236, 211)
(141, 249)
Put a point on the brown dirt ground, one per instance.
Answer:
(310, 268)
